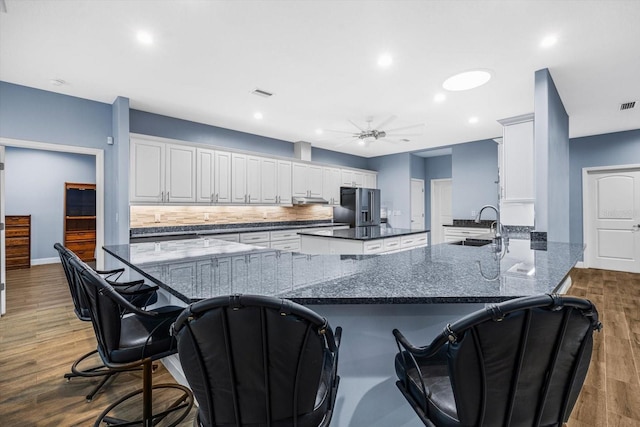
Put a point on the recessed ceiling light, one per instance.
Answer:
(385, 60)
(440, 97)
(467, 80)
(319, 131)
(257, 115)
(473, 120)
(144, 37)
(549, 41)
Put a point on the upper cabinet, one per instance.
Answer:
(306, 180)
(331, 185)
(167, 173)
(213, 176)
(517, 160)
(162, 173)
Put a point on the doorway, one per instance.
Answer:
(611, 217)
(441, 208)
(417, 204)
(99, 171)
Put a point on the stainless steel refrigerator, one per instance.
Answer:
(359, 207)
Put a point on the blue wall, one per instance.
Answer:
(394, 182)
(474, 172)
(27, 193)
(620, 148)
(438, 167)
(551, 140)
(37, 115)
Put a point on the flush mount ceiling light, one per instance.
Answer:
(385, 60)
(467, 80)
(439, 97)
(257, 115)
(548, 41)
(144, 37)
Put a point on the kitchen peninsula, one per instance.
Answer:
(417, 290)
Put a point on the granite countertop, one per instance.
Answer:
(202, 268)
(212, 229)
(363, 233)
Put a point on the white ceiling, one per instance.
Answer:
(319, 58)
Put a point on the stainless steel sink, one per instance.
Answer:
(472, 242)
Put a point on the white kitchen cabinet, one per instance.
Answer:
(517, 169)
(257, 238)
(213, 176)
(275, 181)
(306, 180)
(457, 234)
(162, 173)
(147, 171)
(331, 185)
(346, 178)
(245, 181)
(318, 244)
(370, 180)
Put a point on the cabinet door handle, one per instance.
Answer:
(167, 196)
(212, 197)
(162, 196)
(217, 197)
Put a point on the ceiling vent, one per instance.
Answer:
(627, 105)
(262, 93)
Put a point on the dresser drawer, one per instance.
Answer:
(81, 246)
(17, 262)
(14, 231)
(17, 220)
(81, 235)
(14, 250)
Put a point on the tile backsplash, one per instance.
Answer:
(166, 216)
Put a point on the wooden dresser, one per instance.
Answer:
(18, 241)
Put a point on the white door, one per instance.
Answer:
(269, 181)
(239, 178)
(417, 204)
(180, 178)
(613, 220)
(205, 175)
(253, 179)
(3, 298)
(147, 171)
(284, 181)
(223, 177)
(441, 206)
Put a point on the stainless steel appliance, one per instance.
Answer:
(359, 207)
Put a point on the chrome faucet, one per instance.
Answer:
(498, 224)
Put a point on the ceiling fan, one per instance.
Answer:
(366, 135)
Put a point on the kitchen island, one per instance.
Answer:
(361, 240)
(418, 291)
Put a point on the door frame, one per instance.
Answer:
(99, 159)
(433, 204)
(421, 181)
(586, 203)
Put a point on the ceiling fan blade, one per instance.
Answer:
(351, 121)
(405, 127)
(381, 126)
(341, 131)
(403, 134)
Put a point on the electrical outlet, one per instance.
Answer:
(473, 214)
(206, 216)
(264, 215)
(157, 217)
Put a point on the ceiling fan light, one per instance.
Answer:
(362, 142)
(467, 80)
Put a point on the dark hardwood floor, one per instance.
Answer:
(40, 337)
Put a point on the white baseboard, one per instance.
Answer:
(42, 261)
(580, 264)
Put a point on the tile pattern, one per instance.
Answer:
(145, 216)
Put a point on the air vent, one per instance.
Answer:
(627, 105)
(262, 93)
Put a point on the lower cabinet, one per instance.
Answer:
(331, 245)
(18, 241)
(456, 234)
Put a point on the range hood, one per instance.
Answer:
(309, 201)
